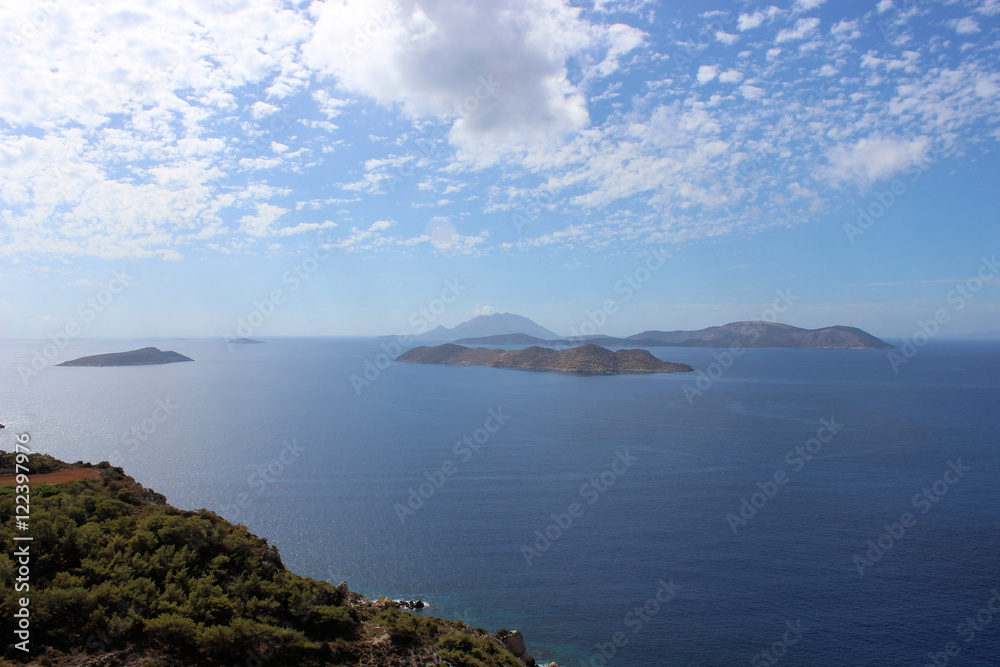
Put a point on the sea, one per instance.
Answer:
(774, 507)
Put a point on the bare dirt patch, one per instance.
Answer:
(56, 477)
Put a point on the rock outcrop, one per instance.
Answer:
(514, 642)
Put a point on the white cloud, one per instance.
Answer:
(884, 6)
(210, 127)
(731, 76)
(989, 8)
(807, 5)
(986, 86)
(303, 227)
(367, 239)
(622, 6)
(329, 106)
(260, 223)
(261, 110)
(845, 30)
(496, 71)
(874, 159)
(749, 21)
(111, 111)
(619, 40)
(383, 172)
(803, 28)
(441, 237)
(965, 26)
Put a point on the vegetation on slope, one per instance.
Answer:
(118, 573)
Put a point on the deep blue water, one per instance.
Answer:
(328, 497)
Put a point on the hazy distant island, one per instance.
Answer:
(486, 325)
(587, 358)
(146, 356)
(511, 329)
(245, 341)
(744, 334)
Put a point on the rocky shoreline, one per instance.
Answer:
(512, 640)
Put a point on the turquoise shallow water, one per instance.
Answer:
(381, 488)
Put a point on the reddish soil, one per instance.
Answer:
(57, 477)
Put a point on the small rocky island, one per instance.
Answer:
(146, 356)
(245, 341)
(588, 358)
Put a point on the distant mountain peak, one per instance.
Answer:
(495, 324)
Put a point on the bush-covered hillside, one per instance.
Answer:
(120, 577)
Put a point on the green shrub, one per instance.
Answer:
(173, 631)
(403, 628)
(217, 641)
(331, 622)
(464, 650)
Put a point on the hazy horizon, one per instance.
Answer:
(181, 335)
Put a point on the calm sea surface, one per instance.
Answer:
(370, 486)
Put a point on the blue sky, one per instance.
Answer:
(335, 166)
